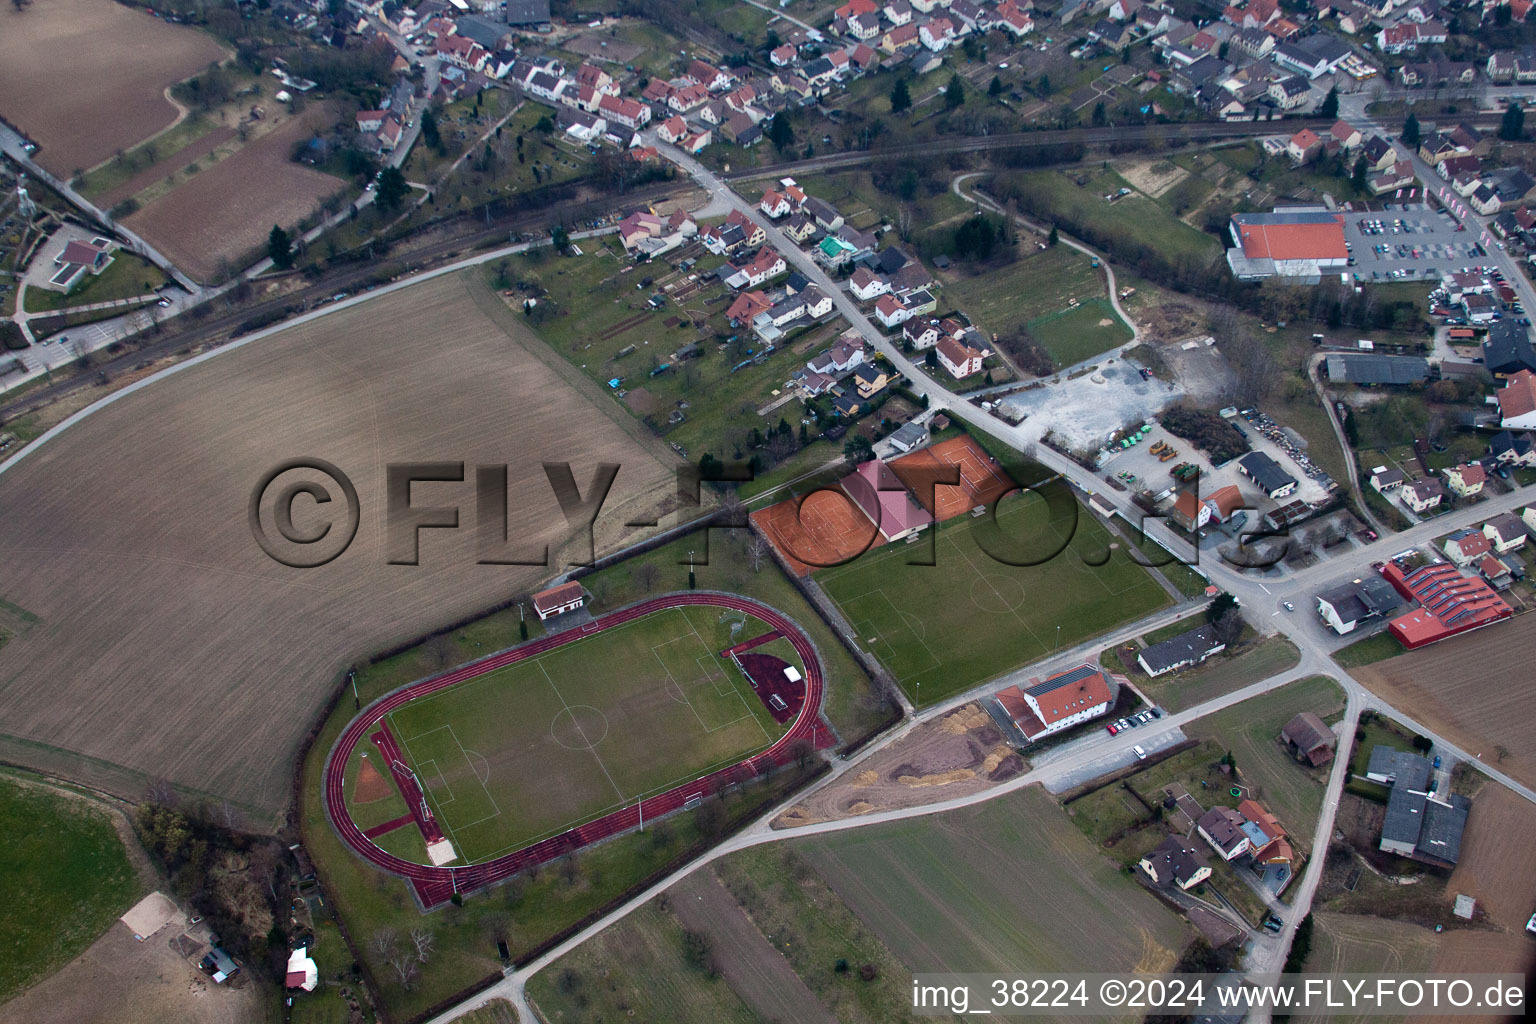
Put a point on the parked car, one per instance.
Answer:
(1140, 753)
(1111, 728)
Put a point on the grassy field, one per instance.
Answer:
(1008, 885)
(540, 746)
(810, 923)
(1221, 674)
(1145, 221)
(1292, 791)
(949, 626)
(66, 878)
(1056, 294)
(637, 968)
(605, 327)
(126, 277)
(722, 562)
(1372, 649)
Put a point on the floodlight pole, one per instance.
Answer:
(641, 806)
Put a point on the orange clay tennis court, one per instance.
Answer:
(982, 481)
(828, 528)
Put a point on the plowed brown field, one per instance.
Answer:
(226, 211)
(153, 637)
(1474, 689)
(86, 78)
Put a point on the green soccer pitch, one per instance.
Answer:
(549, 743)
(946, 627)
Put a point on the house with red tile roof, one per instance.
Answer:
(559, 600)
(1224, 502)
(1059, 702)
(672, 129)
(1304, 145)
(1189, 512)
(1467, 546)
(1517, 401)
(958, 358)
(747, 306)
(1466, 479)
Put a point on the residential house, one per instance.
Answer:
(1346, 135)
(903, 37)
(709, 76)
(1309, 739)
(1222, 827)
(868, 379)
(1510, 449)
(923, 334)
(1188, 648)
(898, 12)
(827, 218)
(672, 130)
(746, 306)
(1175, 862)
(847, 352)
(958, 358)
(632, 114)
(1344, 608)
(799, 228)
(1288, 93)
(936, 34)
(1467, 546)
(1423, 495)
(775, 204)
(890, 312)
(1505, 532)
(1466, 479)
(867, 285)
(1304, 146)
(766, 264)
(1013, 19)
(833, 252)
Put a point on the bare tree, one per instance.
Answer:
(646, 575)
(229, 815)
(383, 942)
(757, 552)
(570, 869)
(160, 791)
(405, 967)
(1229, 626)
(423, 940)
(440, 650)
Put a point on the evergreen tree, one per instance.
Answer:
(1330, 107)
(429, 132)
(1512, 128)
(1053, 237)
(780, 132)
(901, 99)
(954, 93)
(280, 248)
(1358, 178)
(996, 88)
(1411, 135)
(391, 188)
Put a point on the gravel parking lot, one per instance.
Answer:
(1084, 411)
(1407, 243)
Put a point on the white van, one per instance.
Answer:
(1139, 752)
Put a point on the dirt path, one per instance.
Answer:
(756, 971)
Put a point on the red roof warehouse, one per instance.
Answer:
(1450, 603)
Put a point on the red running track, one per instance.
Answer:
(435, 885)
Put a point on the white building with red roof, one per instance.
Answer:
(1060, 701)
(1299, 243)
(958, 358)
(1517, 401)
(559, 600)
